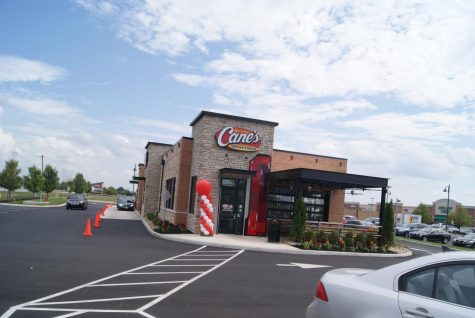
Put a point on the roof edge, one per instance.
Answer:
(213, 114)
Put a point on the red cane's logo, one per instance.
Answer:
(240, 139)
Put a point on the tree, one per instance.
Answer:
(51, 178)
(460, 217)
(110, 191)
(10, 178)
(79, 183)
(423, 211)
(298, 221)
(34, 181)
(89, 187)
(387, 231)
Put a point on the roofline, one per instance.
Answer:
(157, 144)
(309, 154)
(213, 114)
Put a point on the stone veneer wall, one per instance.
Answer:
(153, 170)
(209, 158)
(178, 165)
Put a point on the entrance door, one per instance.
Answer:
(231, 207)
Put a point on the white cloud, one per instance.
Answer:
(7, 142)
(420, 52)
(15, 69)
(42, 106)
(1, 111)
(183, 129)
(97, 6)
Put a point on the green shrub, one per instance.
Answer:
(308, 236)
(306, 245)
(321, 237)
(360, 241)
(349, 240)
(151, 216)
(298, 220)
(371, 241)
(387, 231)
(334, 238)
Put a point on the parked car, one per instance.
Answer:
(355, 223)
(435, 235)
(372, 220)
(405, 229)
(125, 203)
(76, 201)
(347, 218)
(466, 241)
(437, 285)
(417, 234)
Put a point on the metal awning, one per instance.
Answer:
(331, 179)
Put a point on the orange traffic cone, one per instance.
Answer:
(87, 229)
(102, 211)
(97, 222)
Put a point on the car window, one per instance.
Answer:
(76, 197)
(456, 284)
(420, 283)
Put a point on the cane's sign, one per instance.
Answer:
(236, 138)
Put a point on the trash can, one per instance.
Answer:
(273, 232)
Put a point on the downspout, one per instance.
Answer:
(161, 185)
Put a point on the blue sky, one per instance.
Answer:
(389, 85)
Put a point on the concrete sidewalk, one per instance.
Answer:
(253, 243)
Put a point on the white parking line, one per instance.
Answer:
(421, 250)
(37, 305)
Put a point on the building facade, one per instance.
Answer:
(252, 183)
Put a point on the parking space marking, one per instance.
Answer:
(110, 304)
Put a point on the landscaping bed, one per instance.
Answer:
(165, 227)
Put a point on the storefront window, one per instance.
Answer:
(191, 204)
(282, 199)
(170, 196)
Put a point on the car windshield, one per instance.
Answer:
(470, 236)
(76, 197)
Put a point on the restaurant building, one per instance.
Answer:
(252, 183)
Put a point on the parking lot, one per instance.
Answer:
(49, 269)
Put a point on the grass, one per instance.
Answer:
(435, 244)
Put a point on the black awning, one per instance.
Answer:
(237, 171)
(133, 181)
(329, 178)
(138, 178)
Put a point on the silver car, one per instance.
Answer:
(436, 286)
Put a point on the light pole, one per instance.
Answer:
(447, 189)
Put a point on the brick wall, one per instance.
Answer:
(337, 206)
(153, 169)
(177, 165)
(208, 158)
(284, 160)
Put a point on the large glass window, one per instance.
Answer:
(453, 283)
(170, 195)
(282, 199)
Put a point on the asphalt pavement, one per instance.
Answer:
(49, 269)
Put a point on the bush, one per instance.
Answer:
(151, 216)
(334, 238)
(298, 220)
(360, 241)
(371, 243)
(387, 231)
(349, 240)
(308, 236)
(321, 237)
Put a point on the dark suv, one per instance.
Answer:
(126, 203)
(76, 201)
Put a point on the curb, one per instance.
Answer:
(289, 250)
(34, 206)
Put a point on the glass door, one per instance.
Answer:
(231, 206)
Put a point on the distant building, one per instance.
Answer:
(97, 187)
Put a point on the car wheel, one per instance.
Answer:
(85, 207)
(445, 240)
(407, 235)
(424, 239)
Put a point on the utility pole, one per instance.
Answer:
(133, 184)
(42, 157)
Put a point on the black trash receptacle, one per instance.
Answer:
(273, 233)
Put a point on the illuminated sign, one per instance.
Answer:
(239, 139)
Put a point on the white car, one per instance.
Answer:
(436, 286)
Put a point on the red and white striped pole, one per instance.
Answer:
(203, 187)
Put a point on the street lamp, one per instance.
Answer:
(447, 189)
